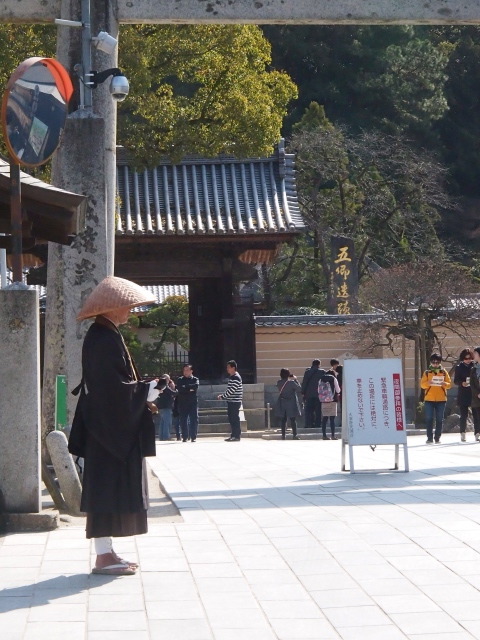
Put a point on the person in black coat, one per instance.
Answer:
(113, 428)
(187, 386)
(287, 405)
(313, 407)
(461, 378)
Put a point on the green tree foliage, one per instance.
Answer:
(389, 78)
(194, 88)
(20, 42)
(169, 324)
(202, 89)
(459, 129)
(371, 187)
(295, 283)
(419, 82)
(169, 321)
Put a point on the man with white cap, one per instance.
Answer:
(113, 428)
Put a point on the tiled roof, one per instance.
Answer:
(220, 196)
(280, 321)
(165, 291)
(159, 292)
(162, 292)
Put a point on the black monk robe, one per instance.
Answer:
(113, 430)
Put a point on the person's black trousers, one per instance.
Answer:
(476, 419)
(293, 424)
(324, 425)
(233, 410)
(188, 421)
(464, 416)
(313, 413)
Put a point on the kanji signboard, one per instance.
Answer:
(373, 408)
(344, 275)
(374, 402)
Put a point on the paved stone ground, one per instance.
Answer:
(275, 543)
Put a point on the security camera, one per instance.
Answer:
(105, 42)
(119, 88)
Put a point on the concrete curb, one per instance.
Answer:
(21, 522)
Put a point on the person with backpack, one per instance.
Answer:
(435, 382)
(328, 392)
(313, 408)
(288, 402)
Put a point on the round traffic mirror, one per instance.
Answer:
(34, 109)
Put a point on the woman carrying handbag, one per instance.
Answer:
(288, 402)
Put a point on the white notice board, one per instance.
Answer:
(373, 402)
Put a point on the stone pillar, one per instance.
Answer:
(85, 163)
(19, 402)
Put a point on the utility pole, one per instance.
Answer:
(85, 163)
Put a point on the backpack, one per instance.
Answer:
(325, 392)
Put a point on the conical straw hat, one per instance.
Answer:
(113, 293)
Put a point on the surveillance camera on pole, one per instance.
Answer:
(119, 86)
(105, 42)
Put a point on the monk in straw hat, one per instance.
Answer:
(113, 428)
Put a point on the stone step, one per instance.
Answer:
(214, 428)
(225, 434)
(212, 404)
(212, 418)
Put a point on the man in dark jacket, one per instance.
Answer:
(234, 396)
(187, 387)
(313, 406)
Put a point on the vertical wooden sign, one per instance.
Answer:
(344, 275)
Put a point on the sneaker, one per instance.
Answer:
(326, 438)
(463, 437)
(234, 439)
(429, 442)
(228, 439)
(334, 438)
(477, 437)
(184, 440)
(295, 437)
(437, 440)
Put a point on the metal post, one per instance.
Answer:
(86, 53)
(269, 426)
(16, 220)
(405, 456)
(3, 268)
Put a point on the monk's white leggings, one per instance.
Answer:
(103, 545)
